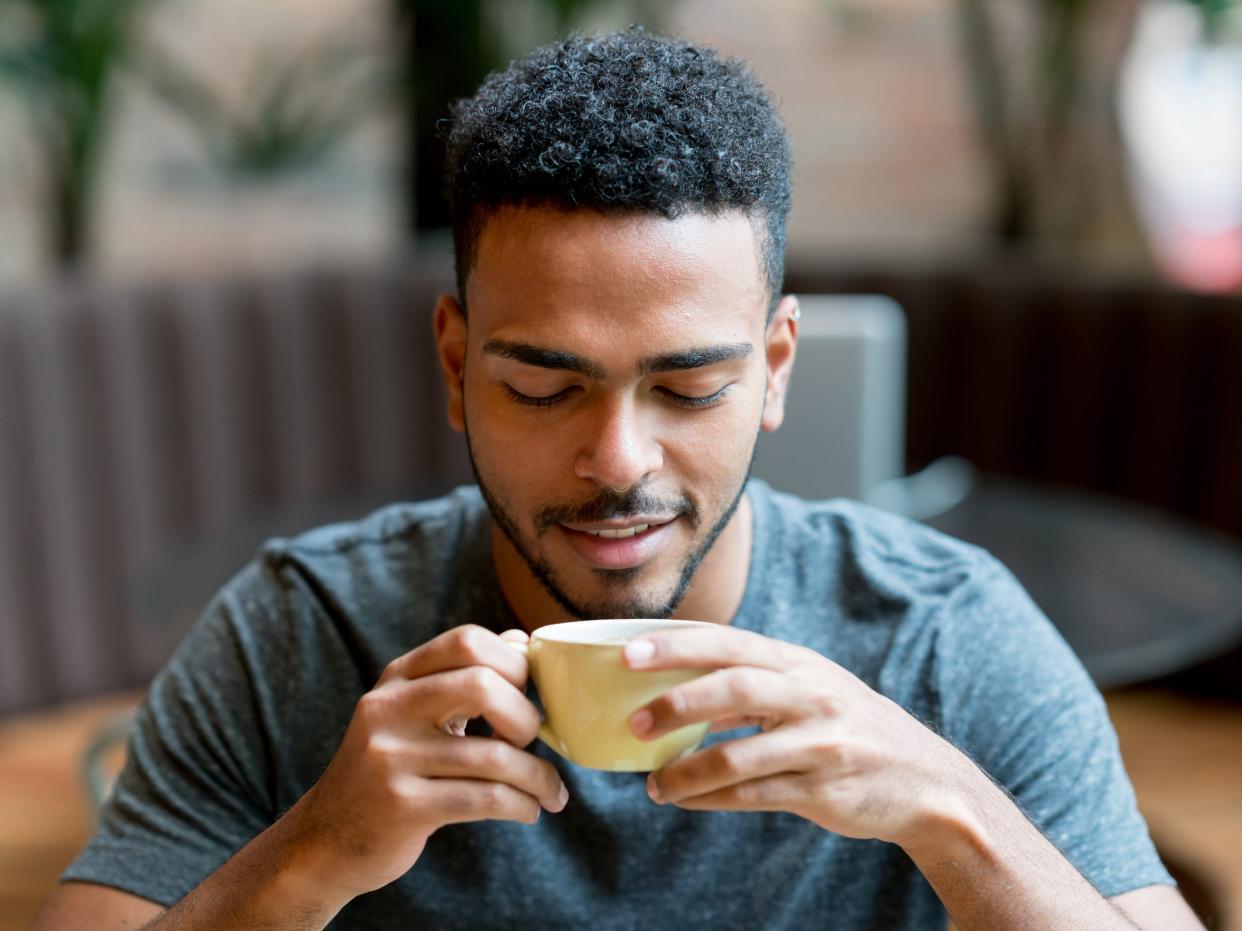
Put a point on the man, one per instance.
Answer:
(346, 734)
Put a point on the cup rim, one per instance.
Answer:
(564, 632)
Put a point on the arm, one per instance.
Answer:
(403, 770)
(272, 882)
(992, 868)
(1150, 907)
(847, 758)
(87, 906)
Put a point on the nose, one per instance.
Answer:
(618, 449)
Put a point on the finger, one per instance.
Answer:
(445, 698)
(515, 636)
(496, 761)
(468, 645)
(731, 763)
(713, 647)
(726, 693)
(457, 801)
(783, 792)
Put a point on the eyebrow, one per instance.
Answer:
(667, 362)
(543, 358)
(695, 358)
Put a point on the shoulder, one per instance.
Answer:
(370, 588)
(904, 606)
(875, 562)
(399, 526)
(400, 546)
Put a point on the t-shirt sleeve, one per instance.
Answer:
(194, 789)
(1014, 697)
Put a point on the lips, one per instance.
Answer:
(619, 534)
(619, 546)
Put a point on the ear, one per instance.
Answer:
(781, 344)
(450, 327)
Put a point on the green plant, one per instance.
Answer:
(297, 107)
(62, 57)
(1034, 72)
(1025, 137)
(1215, 16)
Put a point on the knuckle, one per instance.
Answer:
(731, 762)
(377, 752)
(748, 684)
(481, 679)
(494, 796)
(491, 757)
(674, 704)
(372, 706)
(395, 793)
(831, 752)
(471, 639)
(827, 703)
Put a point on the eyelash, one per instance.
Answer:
(692, 403)
(679, 399)
(530, 401)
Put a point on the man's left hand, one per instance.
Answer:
(832, 749)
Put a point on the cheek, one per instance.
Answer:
(715, 450)
(513, 458)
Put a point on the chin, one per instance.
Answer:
(621, 597)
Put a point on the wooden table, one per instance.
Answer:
(1184, 755)
(44, 814)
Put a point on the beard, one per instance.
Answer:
(623, 600)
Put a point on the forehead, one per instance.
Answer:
(583, 280)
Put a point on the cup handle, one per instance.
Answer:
(546, 734)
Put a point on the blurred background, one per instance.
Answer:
(1018, 225)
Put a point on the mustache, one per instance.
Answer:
(610, 505)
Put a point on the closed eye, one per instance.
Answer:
(681, 400)
(691, 401)
(531, 400)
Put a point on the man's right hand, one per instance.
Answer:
(405, 767)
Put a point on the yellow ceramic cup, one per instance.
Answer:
(589, 693)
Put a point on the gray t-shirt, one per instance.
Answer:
(251, 708)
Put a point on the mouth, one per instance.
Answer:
(620, 531)
(619, 544)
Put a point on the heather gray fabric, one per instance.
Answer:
(249, 711)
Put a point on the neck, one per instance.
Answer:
(714, 594)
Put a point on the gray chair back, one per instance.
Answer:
(151, 437)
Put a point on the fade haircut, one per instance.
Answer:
(621, 123)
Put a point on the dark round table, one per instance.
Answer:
(1137, 593)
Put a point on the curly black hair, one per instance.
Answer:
(623, 122)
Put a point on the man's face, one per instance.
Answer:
(611, 380)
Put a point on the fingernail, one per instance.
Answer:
(639, 651)
(653, 790)
(641, 721)
(562, 797)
